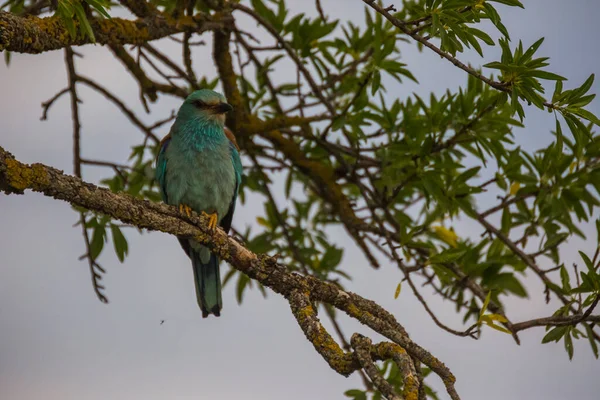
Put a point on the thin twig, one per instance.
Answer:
(95, 269)
(47, 104)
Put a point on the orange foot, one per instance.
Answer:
(212, 223)
(185, 209)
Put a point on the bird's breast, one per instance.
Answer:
(204, 180)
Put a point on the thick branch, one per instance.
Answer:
(37, 35)
(315, 332)
(361, 347)
(224, 63)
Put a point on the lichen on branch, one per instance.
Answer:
(36, 35)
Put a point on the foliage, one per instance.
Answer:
(74, 10)
(71, 12)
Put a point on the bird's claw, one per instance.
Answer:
(212, 222)
(185, 209)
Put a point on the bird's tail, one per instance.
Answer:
(208, 284)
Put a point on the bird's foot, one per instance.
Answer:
(212, 223)
(185, 209)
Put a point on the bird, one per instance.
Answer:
(198, 168)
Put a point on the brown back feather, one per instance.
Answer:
(231, 137)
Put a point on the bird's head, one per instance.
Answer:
(206, 105)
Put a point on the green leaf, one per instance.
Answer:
(338, 123)
(569, 344)
(587, 261)
(485, 304)
(496, 317)
(398, 289)
(591, 338)
(242, 282)
(261, 9)
(531, 50)
(97, 242)
(100, 7)
(558, 88)
(229, 275)
(497, 327)
(375, 82)
(262, 243)
(547, 75)
(584, 88)
(564, 277)
(555, 334)
(119, 241)
(555, 240)
(83, 21)
(447, 256)
(508, 281)
(495, 18)
(583, 101)
(497, 65)
(66, 12)
(356, 394)
(585, 114)
(482, 35)
(331, 258)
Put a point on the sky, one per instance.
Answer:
(57, 341)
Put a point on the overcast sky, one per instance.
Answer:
(57, 341)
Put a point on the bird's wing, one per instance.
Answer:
(161, 167)
(161, 177)
(231, 138)
(237, 166)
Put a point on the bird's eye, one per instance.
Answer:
(199, 104)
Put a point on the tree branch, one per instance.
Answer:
(37, 35)
(413, 33)
(557, 320)
(361, 346)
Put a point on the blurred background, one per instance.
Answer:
(57, 341)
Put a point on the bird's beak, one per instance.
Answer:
(222, 108)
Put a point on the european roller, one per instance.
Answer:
(198, 168)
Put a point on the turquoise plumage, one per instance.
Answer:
(198, 168)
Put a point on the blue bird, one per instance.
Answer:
(198, 168)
